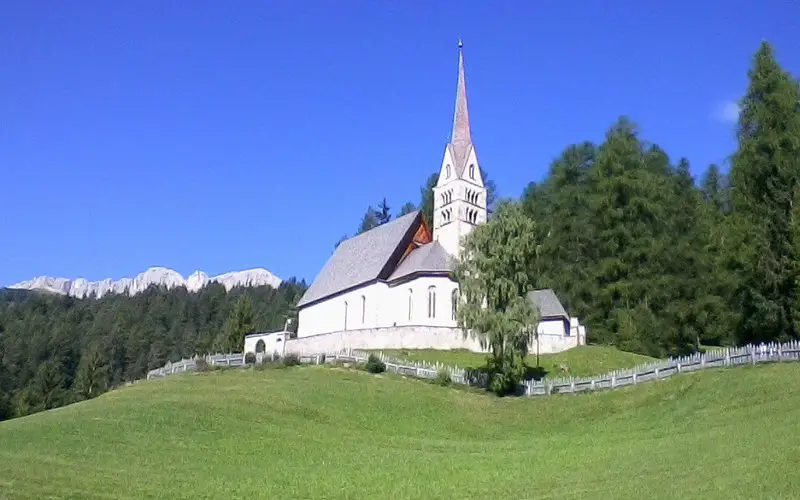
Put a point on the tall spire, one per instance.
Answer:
(461, 139)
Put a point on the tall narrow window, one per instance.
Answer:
(454, 303)
(432, 302)
(447, 169)
(410, 302)
(472, 171)
(345, 315)
(363, 309)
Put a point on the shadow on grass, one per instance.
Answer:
(535, 373)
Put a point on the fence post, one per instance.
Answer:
(634, 377)
(727, 361)
(613, 381)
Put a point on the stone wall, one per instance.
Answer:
(413, 337)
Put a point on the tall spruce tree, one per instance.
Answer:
(765, 178)
(384, 213)
(240, 323)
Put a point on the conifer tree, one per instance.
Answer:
(407, 208)
(383, 213)
(765, 178)
(240, 323)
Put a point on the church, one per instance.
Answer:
(392, 287)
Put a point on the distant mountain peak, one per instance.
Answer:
(80, 287)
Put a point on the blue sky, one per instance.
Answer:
(229, 135)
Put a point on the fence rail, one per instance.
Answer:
(657, 370)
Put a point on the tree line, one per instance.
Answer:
(55, 349)
(651, 261)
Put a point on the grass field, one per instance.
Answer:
(320, 432)
(582, 361)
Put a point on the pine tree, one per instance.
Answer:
(426, 197)
(383, 213)
(240, 323)
(407, 208)
(370, 220)
(92, 377)
(765, 177)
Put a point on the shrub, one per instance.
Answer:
(201, 365)
(250, 358)
(443, 378)
(290, 359)
(374, 364)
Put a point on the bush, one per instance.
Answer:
(443, 378)
(201, 365)
(374, 364)
(250, 358)
(290, 359)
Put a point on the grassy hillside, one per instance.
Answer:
(583, 360)
(317, 432)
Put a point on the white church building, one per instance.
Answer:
(392, 287)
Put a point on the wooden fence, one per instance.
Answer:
(657, 370)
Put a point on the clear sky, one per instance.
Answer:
(229, 135)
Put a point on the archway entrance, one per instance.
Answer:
(260, 346)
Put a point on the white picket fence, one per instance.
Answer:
(714, 358)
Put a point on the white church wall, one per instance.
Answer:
(329, 315)
(273, 342)
(397, 302)
(393, 337)
(385, 306)
(422, 337)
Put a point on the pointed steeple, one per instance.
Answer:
(461, 139)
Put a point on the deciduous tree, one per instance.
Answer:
(494, 278)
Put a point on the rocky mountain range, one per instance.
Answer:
(81, 287)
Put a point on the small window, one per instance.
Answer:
(472, 171)
(410, 302)
(345, 315)
(260, 346)
(432, 302)
(447, 171)
(363, 309)
(454, 303)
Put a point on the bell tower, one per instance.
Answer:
(459, 197)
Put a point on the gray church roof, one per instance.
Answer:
(430, 257)
(547, 303)
(362, 258)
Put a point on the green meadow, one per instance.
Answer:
(581, 361)
(322, 432)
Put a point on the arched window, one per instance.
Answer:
(261, 346)
(345, 315)
(454, 303)
(431, 301)
(363, 309)
(472, 171)
(410, 302)
(447, 171)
